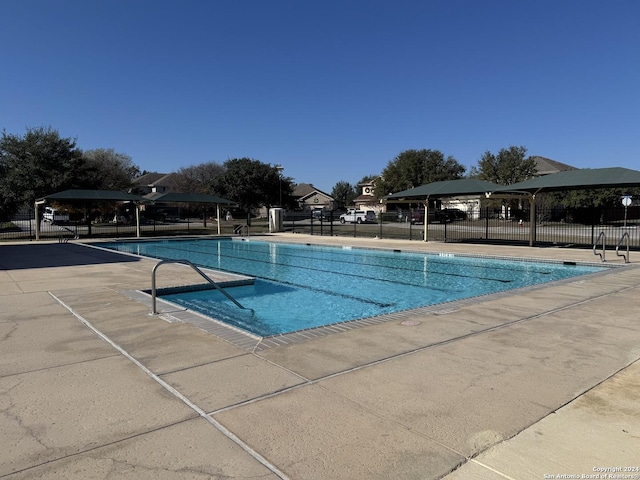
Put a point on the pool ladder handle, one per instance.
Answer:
(63, 230)
(626, 257)
(200, 272)
(237, 229)
(604, 248)
(624, 236)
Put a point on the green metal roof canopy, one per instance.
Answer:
(76, 195)
(614, 177)
(174, 197)
(447, 188)
(99, 195)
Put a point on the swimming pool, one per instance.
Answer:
(304, 286)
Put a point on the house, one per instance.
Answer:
(154, 182)
(367, 200)
(152, 185)
(546, 166)
(309, 197)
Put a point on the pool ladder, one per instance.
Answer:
(602, 254)
(63, 230)
(237, 229)
(200, 272)
(626, 257)
(604, 248)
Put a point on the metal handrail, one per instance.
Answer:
(200, 272)
(626, 257)
(239, 228)
(604, 248)
(62, 239)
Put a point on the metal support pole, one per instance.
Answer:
(218, 216)
(138, 233)
(532, 220)
(37, 219)
(426, 219)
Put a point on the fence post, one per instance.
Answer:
(486, 223)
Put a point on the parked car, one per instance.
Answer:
(417, 216)
(320, 214)
(54, 216)
(358, 216)
(437, 216)
(454, 214)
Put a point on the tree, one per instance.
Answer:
(367, 179)
(507, 167)
(35, 165)
(413, 168)
(598, 198)
(344, 193)
(252, 183)
(105, 169)
(198, 178)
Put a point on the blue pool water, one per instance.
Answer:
(304, 286)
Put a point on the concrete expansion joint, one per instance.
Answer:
(502, 475)
(281, 367)
(184, 369)
(61, 365)
(98, 447)
(175, 393)
(377, 414)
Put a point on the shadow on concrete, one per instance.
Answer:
(16, 257)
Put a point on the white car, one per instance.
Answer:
(358, 216)
(54, 216)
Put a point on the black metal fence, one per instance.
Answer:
(23, 227)
(577, 227)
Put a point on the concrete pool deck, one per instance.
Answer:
(542, 383)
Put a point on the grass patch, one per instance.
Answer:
(9, 227)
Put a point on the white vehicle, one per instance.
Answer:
(358, 216)
(54, 216)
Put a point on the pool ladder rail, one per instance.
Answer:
(64, 230)
(200, 272)
(237, 229)
(625, 236)
(626, 257)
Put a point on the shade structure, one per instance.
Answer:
(76, 195)
(175, 197)
(580, 179)
(447, 188)
(97, 195)
(584, 178)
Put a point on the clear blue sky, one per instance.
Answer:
(331, 90)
